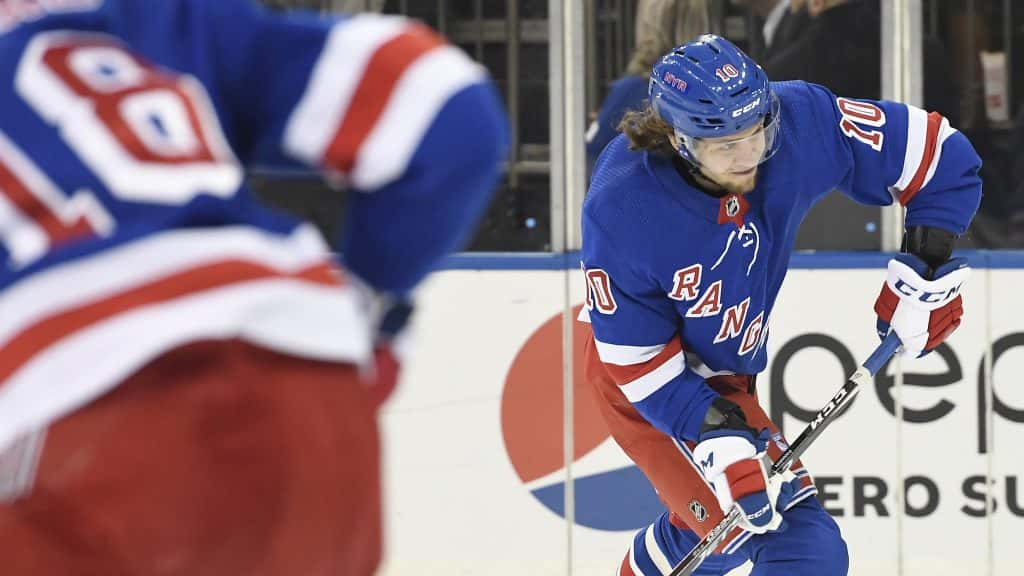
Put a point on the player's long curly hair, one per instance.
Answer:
(647, 131)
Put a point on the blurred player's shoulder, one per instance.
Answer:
(16, 12)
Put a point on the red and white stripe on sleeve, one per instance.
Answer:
(926, 132)
(62, 324)
(373, 93)
(642, 370)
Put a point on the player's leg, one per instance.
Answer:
(657, 548)
(669, 466)
(666, 463)
(811, 546)
(217, 458)
(329, 519)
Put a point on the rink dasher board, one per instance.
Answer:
(456, 502)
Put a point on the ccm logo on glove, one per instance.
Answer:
(906, 289)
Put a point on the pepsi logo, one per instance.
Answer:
(611, 492)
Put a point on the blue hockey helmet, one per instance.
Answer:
(709, 88)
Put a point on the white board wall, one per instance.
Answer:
(473, 437)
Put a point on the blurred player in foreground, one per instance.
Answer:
(687, 232)
(187, 378)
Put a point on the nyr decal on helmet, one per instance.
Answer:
(674, 81)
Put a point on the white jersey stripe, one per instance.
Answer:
(123, 267)
(64, 322)
(917, 144)
(701, 369)
(284, 314)
(737, 541)
(633, 563)
(652, 381)
(418, 95)
(917, 131)
(655, 553)
(416, 99)
(625, 355)
(335, 78)
(945, 131)
(802, 495)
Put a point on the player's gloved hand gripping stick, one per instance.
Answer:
(889, 346)
(731, 455)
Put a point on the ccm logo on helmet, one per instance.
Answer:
(746, 108)
(673, 81)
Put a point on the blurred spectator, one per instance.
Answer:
(660, 25)
(1001, 218)
(838, 46)
(780, 25)
(1016, 201)
(626, 93)
(966, 28)
(671, 22)
(837, 43)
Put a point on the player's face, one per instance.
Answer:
(731, 161)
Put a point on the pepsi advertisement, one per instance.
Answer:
(922, 472)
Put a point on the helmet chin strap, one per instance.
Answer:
(693, 169)
(718, 188)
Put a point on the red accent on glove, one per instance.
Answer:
(745, 478)
(387, 368)
(885, 305)
(944, 321)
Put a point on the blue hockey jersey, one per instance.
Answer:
(126, 127)
(681, 285)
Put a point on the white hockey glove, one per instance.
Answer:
(731, 456)
(923, 312)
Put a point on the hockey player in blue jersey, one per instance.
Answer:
(687, 232)
(187, 379)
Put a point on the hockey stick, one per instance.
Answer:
(822, 419)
